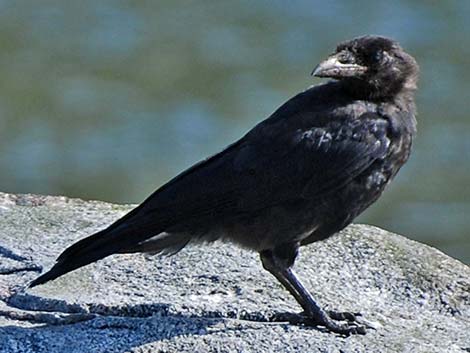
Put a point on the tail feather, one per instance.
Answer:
(165, 243)
(109, 241)
(56, 271)
(83, 252)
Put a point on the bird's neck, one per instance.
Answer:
(379, 91)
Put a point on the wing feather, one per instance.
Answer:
(253, 175)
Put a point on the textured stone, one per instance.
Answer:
(217, 297)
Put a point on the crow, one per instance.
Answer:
(298, 177)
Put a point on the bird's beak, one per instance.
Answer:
(333, 68)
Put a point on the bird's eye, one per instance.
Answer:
(345, 57)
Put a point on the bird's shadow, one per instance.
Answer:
(79, 332)
(55, 324)
(115, 334)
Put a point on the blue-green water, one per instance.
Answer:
(109, 99)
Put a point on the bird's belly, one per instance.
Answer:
(304, 221)
(271, 227)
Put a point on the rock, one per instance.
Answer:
(217, 297)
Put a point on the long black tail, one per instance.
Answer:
(118, 238)
(84, 252)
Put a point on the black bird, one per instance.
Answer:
(298, 177)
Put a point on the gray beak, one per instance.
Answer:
(333, 68)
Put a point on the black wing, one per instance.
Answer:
(262, 171)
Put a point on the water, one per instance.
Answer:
(108, 100)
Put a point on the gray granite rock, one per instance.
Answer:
(217, 298)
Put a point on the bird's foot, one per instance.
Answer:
(344, 323)
(329, 320)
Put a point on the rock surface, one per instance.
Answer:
(217, 298)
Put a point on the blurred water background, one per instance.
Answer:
(109, 99)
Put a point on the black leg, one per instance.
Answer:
(279, 263)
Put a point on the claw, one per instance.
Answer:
(350, 328)
(352, 325)
(344, 329)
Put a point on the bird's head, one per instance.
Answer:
(371, 65)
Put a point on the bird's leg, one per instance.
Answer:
(279, 263)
